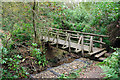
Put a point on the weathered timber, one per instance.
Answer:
(95, 41)
(102, 59)
(99, 55)
(96, 50)
(100, 41)
(73, 45)
(78, 43)
(82, 45)
(74, 39)
(91, 45)
(69, 45)
(91, 34)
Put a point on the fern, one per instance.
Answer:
(111, 65)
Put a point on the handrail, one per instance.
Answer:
(92, 34)
(69, 35)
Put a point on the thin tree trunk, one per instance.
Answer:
(34, 25)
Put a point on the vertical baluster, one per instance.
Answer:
(54, 36)
(82, 45)
(69, 45)
(66, 39)
(78, 35)
(91, 44)
(101, 41)
(78, 43)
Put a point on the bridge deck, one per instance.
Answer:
(74, 45)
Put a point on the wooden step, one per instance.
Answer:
(52, 43)
(102, 58)
(100, 54)
(97, 51)
(65, 47)
(77, 51)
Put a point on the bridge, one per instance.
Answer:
(78, 42)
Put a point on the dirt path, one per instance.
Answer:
(91, 71)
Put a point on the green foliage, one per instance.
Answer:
(63, 76)
(70, 76)
(6, 41)
(11, 68)
(111, 66)
(20, 34)
(105, 12)
(86, 17)
(41, 60)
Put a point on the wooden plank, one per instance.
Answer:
(88, 44)
(96, 50)
(65, 47)
(95, 41)
(77, 51)
(100, 54)
(101, 58)
(91, 34)
(73, 45)
(52, 43)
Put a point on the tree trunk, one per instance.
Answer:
(34, 25)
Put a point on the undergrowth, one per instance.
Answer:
(111, 65)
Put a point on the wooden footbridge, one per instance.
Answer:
(80, 42)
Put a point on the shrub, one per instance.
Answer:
(11, 65)
(41, 60)
(111, 66)
(20, 34)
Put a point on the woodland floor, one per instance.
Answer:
(80, 65)
(91, 71)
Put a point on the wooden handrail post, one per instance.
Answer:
(101, 41)
(69, 45)
(54, 37)
(80, 37)
(91, 44)
(82, 45)
(66, 39)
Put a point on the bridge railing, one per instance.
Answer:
(81, 38)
